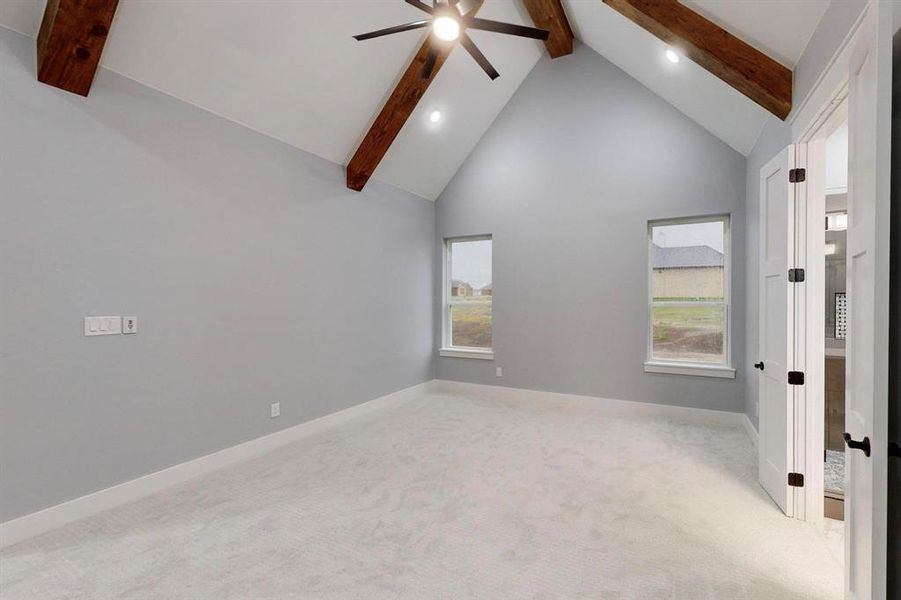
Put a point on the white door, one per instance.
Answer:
(775, 401)
(866, 410)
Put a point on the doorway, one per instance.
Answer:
(856, 87)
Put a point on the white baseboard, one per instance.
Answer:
(749, 427)
(608, 405)
(27, 526)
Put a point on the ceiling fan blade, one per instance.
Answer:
(390, 30)
(474, 51)
(460, 7)
(468, 7)
(421, 6)
(508, 28)
(429, 62)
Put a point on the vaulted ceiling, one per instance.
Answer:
(291, 70)
(779, 28)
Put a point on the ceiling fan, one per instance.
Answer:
(449, 21)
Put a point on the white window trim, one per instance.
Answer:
(687, 368)
(446, 349)
(464, 353)
(677, 367)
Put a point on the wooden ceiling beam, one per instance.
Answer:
(549, 15)
(394, 114)
(739, 64)
(398, 108)
(71, 41)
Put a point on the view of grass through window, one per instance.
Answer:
(470, 293)
(688, 285)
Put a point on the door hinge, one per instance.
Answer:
(796, 275)
(796, 378)
(797, 175)
(796, 479)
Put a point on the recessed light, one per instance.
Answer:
(435, 116)
(446, 28)
(672, 56)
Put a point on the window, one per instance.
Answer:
(837, 221)
(688, 268)
(467, 298)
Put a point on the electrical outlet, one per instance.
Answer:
(499, 372)
(275, 409)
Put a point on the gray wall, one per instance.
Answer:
(255, 274)
(566, 180)
(831, 31)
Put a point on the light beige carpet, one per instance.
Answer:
(452, 496)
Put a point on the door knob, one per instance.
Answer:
(759, 365)
(861, 445)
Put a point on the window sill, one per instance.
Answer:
(698, 370)
(468, 353)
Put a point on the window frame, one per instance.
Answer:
(687, 367)
(447, 349)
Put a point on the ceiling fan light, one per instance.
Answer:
(446, 28)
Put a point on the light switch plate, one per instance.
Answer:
(129, 325)
(275, 409)
(102, 326)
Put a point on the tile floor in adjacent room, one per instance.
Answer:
(453, 495)
(834, 471)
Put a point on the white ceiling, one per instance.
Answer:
(778, 27)
(22, 15)
(290, 69)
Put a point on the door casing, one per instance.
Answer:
(820, 110)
